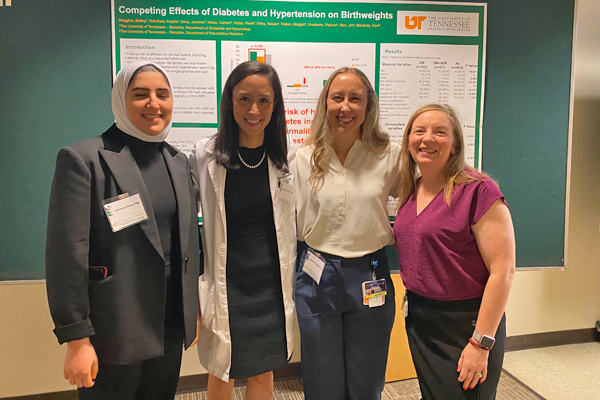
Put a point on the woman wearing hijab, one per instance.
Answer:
(122, 255)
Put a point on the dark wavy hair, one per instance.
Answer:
(227, 138)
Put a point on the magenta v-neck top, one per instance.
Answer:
(438, 255)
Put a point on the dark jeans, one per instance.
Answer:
(344, 343)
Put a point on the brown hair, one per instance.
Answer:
(456, 170)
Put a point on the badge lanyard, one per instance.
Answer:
(374, 291)
(374, 264)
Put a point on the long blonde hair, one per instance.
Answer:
(373, 138)
(456, 170)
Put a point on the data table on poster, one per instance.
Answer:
(413, 75)
(303, 69)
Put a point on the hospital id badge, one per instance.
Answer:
(286, 190)
(124, 210)
(374, 293)
(314, 265)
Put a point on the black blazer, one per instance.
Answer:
(122, 314)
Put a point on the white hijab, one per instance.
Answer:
(119, 107)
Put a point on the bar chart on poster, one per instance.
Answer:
(303, 69)
(412, 53)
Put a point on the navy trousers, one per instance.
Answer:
(344, 343)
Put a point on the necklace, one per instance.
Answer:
(252, 166)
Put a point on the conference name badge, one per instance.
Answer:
(313, 265)
(286, 190)
(124, 210)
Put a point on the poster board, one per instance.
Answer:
(414, 53)
(59, 67)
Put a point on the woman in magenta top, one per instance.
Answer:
(456, 251)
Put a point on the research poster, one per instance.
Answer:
(414, 53)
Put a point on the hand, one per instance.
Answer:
(198, 322)
(81, 363)
(472, 361)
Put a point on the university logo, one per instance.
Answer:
(413, 22)
(437, 23)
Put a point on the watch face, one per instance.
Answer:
(487, 341)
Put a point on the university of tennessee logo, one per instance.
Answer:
(413, 22)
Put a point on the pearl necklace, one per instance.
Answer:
(252, 166)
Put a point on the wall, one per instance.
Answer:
(31, 359)
(546, 301)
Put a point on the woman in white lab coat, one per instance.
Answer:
(246, 196)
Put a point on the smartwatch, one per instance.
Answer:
(485, 341)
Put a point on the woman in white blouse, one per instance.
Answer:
(344, 174)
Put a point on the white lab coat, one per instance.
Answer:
(214, 340)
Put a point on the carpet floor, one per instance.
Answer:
(508, 389)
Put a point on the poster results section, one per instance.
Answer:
(303, 69)
(191, 65)
(413, 75)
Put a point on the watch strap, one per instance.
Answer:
(485, 341)
(479, 346)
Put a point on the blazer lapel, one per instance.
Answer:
(127, 174)
(180, 176)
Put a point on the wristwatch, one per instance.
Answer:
(485, 341)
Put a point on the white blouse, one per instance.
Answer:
(346, 214)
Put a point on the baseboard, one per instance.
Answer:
(194, 383)
(187, 384)
(537, 340)
(66, 395)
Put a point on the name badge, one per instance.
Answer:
(374, 293)
(314, 265)
(286, 190)
(124, 210)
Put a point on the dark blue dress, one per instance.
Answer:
(254, 295)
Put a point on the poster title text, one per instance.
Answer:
(225, 12)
